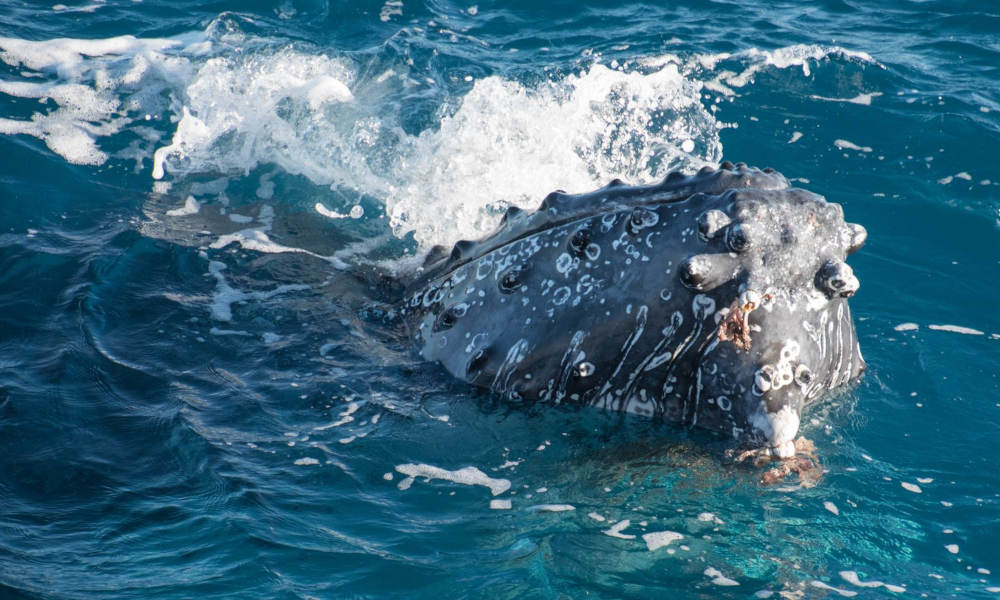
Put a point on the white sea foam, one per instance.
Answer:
(708, 517)
(190, 207)
(956, 329)
(246, 109)
(659, 539)
(235, 102)
(226, 295)
(828, 587)
(238, 102)
(852, 578)
(572, 134)
(718, 578)
(345, 417)
(89, 97)
(862, 99)
(551, 507)
(616, 530)
(464, 476)
(756, 60)
(847, 145)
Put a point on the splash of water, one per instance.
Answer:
(232, 103)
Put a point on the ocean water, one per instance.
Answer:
(196, 400)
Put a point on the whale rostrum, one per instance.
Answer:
(717, 300)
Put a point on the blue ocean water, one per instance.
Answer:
(195, 403)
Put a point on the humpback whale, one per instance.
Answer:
(716, 300)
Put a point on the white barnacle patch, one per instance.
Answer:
(790, 351)
(608, 221)
(593, 251)
(585, 369)
(484, 267)
(566, 263)
(458, 277)
(666, 294)
(782, 373)
(586, 284)
(644, 218)
(816, 300)
(762, 380)
(432, 296)
(501, 265)
(561, 295)
(533, 245)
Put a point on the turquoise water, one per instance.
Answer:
(195, 401)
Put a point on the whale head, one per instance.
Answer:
(787, 335)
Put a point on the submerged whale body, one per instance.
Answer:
(716, 300)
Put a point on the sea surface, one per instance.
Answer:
(198, 401)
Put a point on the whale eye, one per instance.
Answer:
(578, 243)
(737, 238)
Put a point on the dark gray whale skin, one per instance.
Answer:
(617, 298)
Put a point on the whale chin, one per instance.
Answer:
(777, 430)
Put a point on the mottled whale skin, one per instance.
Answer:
(632, 298)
